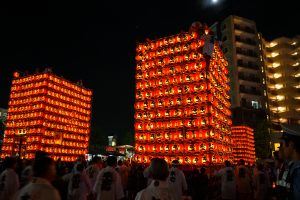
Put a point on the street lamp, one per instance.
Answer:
(21, 133)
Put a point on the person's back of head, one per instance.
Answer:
(96, 160)
(202, 170)
(44, 167)
(195, 172)
(80, 167)
(260, 167)
(241, 162)
(175, 163)
(111, 161)
(120, 162)
(39, 154)
(159, 169)
(10, 162)
(227, 163)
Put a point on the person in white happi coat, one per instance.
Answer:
(9, 181)
(79, 185)
(108, 185)
(177, 180)
(243, 180)
(159, 189)
(40, 188)
(228, 182)
(93, 169)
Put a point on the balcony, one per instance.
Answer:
(248, 78)
(245, 29)
(246, 41)
(247, 53)
(248, 66)
(252, 92)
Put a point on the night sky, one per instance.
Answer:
(95, 42)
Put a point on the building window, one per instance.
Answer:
(254, 104)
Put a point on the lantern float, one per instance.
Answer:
(182, 100)
(52, 114)
(244, 148)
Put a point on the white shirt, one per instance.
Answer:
(9, 184)
(243, 180)
(79, 185)
(123, 171)
(26, 175)
(38, 189)
(146, 174)
(162, 192)
(92, 172)
(116, 190)
(228, 183)
(178, 182)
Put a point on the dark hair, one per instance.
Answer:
(111, 161)
(40, 154)
(242, 162)
(202, 170)
(227, 163)
(159, 169)
(80, 167)
(260, 166)
(96, 159)
(120, 162)
(9, 162)
(294, 139)
(195, 171)
(41, 166)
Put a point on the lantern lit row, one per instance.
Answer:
(178, 135)
(47, 76)
(181, 148)
(186, 160)
(29, 89)
(171, 49)
(35, 107)
(167, 41)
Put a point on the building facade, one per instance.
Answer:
(241, 46)
(48, 113)
(182, 108)
(282, 61)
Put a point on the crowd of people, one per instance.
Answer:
(109, 179)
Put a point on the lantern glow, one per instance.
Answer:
(182, 101)
(243, 138)
(54, 113)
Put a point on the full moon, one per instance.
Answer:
(214, 1)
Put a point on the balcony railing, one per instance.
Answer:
(253, 92)
(245, 29)
(247, 41)
(252, 79)
(247, 53)
(244, 65)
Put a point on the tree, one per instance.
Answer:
(262, 140)
(127, 138)
(98, 141)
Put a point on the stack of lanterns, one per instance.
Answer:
(54, 115)
(182, 108)
(244, 148)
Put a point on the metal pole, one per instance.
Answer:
(20, 146)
